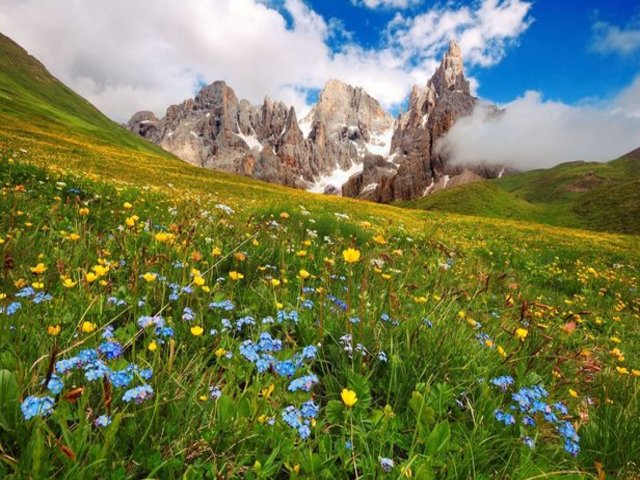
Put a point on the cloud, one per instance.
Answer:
(281, 48)
(483, 33)
(395, 4)
(536, 133)
(608, 38)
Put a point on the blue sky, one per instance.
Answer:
(555, 55)
(573, 51)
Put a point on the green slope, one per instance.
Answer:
(590, 195)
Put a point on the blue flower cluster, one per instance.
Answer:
(177, 290)
(188, 315)
(386, 464)
(138, 394)
(11, 309)
(225, 305)
(341, 304)
(116, 302)
(37, 407)
(102, 421)
(503, 382)
(532, 405)
(304, 383)
(283, 316)
(300, 418)
(261, 352)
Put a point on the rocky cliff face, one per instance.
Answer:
(346, 144)
(432, 112)
(216, 130)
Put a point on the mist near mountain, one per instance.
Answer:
(532, 132)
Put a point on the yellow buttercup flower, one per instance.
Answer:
(90, 277)
(38, 269)
(220, 352)
(521, 334)
(74, 237)
(83, 212)
(164, 237)
(301, 253)
(275, 282)
(53, 330)
(240, 256)
(198, 280)
(100, 270)
(38, 285)
(68, 283)
(349, 397)
(87, 326)
(573, 393)
(235, 276)
(622, 370)
(351, 255)
(216, 252)
(197, 330)
(304, 274)
(153, 346)
(131, 221)
(149, 277)
(127, 206)
(380, 240)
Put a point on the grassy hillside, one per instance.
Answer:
(161, 321)
(595, 196)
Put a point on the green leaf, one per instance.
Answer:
(9, 400)
(424, 414)
(334, 411)
(360, 385)
(438, 438)
(424, 472)
(226, 408)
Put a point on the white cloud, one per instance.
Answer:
(536, 133)
(610, 38)
(122, 64)
(483, 33)
(396, 4)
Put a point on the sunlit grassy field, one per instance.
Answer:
(161, 321)
(223, 329)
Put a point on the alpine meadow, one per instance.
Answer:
(242, 288)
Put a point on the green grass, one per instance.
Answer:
(590, 195)
(435, 301)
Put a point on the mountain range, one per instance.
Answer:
(40, 114)
(347, 144)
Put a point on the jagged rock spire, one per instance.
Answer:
(450, 73)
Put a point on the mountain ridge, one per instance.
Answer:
(343, 130)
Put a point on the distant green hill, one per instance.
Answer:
(30, 94)
(590, 195)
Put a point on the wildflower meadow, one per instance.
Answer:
(180, 333)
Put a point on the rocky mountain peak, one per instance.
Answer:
(347, 131)
(450, 73)
(414, 167)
